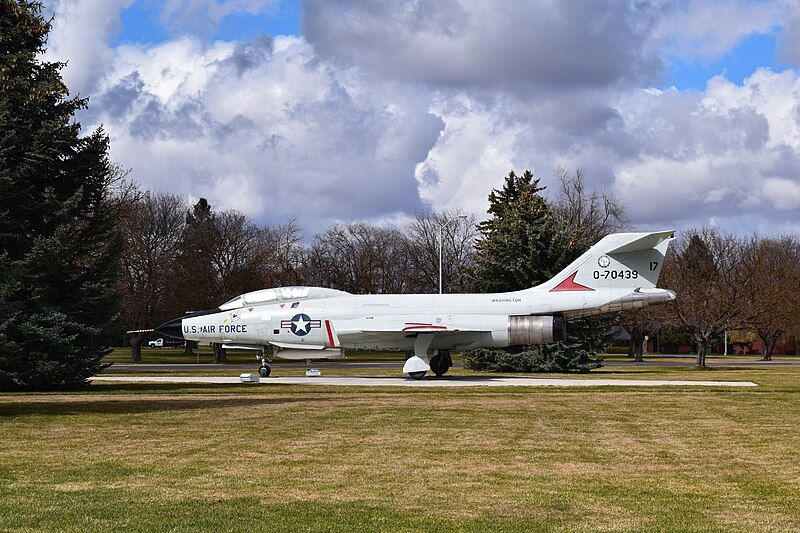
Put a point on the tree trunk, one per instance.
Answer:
(188, 347)
(635, 349)
(701, 354)
(220, 355)
(769, 348)
(638, 353)
(136, 347)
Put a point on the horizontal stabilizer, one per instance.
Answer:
(645, 242)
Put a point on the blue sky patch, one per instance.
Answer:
(141, 23)
(752, 53)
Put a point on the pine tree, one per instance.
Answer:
(58, 246)
(524, 244)
(195, 284)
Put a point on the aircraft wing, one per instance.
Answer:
(461, 324)
(464, 331)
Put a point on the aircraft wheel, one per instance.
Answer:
(417, 375)
(265, 371)
(441, 362)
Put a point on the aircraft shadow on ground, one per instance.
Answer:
(134, 405)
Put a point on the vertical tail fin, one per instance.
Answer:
(617, 261)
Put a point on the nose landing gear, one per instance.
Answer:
(265, 369)
(311, 372)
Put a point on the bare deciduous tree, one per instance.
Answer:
(706, 270)
(236, 254)
(283, 246)
(359, 258)
(151, 231)
(591, 214)
(458, 251)
(774, 299)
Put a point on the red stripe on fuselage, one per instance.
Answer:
(330, 333)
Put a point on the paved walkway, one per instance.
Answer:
(250, 367)
(447, 381)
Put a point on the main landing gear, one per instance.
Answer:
(441, 362)
(418, 364)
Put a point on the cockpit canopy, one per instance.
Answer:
(281, 294)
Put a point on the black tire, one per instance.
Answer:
(441, 362)
(438, 368)
(417, 375)
(265, 371)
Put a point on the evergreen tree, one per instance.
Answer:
(699, 262)
(58, 245)
(195, 284)
(521, 245)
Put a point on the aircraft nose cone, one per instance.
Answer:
(171, 328)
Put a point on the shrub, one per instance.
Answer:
(541, 358)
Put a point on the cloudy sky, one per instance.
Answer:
(689, 111)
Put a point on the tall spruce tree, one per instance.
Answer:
(523, 244)
(58, 250)
(195, 284)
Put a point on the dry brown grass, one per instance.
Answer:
(589, 459)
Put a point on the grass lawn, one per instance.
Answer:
(151, 457)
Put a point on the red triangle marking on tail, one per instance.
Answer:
(570, 285)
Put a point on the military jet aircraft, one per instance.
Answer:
(618, 273)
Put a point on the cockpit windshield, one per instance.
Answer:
(233, 303)
(280, 294)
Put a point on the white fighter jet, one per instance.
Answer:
(618, 273)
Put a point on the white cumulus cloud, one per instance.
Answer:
(80, 34)
(728, 152)
(264, 127)
(382, 108)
